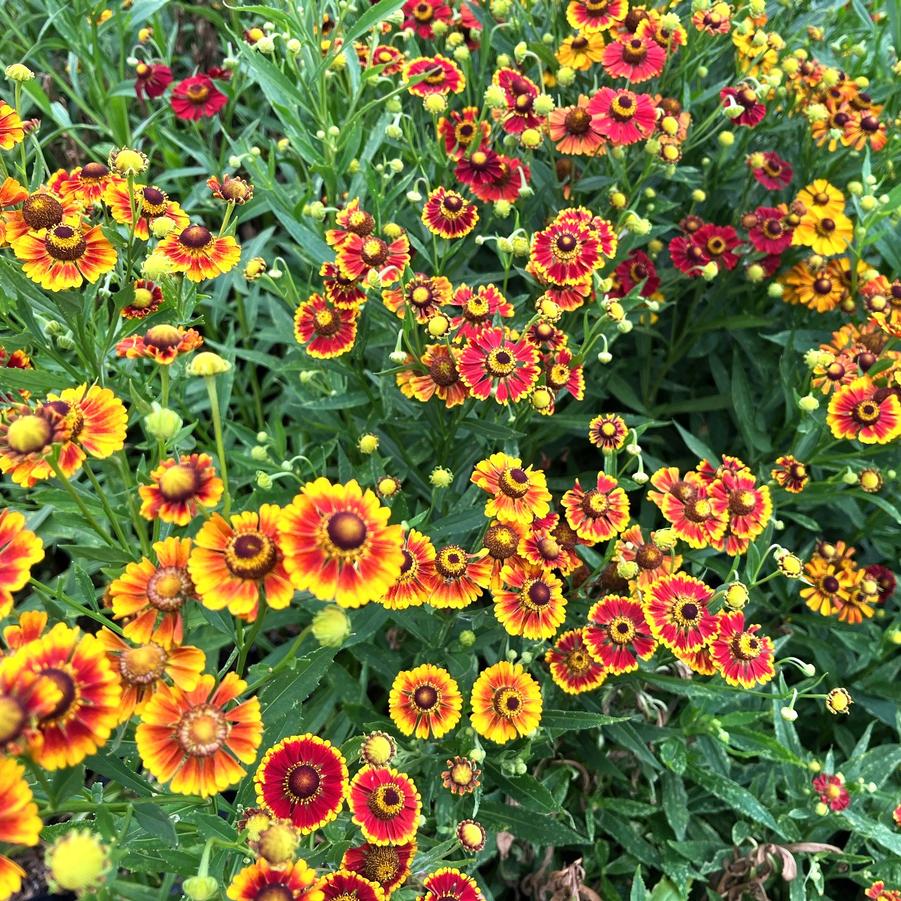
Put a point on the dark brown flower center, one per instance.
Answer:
(42, 211)
(65, 243)
(195, 237)
(346, 530)
(251, 555)
(425, 697)
(303, 782)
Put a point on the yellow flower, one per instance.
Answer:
(579, 51)
(19, 72)
(827, 235)
(77, 861)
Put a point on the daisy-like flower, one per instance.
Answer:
(831, 584)
(162, 343)
(450, 884)
(482, 166)
(346, 293)
(502, 541)
(769, 229)
(637, 270)
(771, 170)
(423, 295)
(87, 709)
(142, 669)
(863, 412)
(150, 596)
(449, 214)
(260, 881)
(699, 661)
(198, 253)
(617, 634)
(520, 93)
(561, 374)
(346, 885)
(676, 609)
(461, 776)
(461, 578)
(27, 437)
(839, 701)
(233, 562)
(608, 431)
(832, 791)
(390, 58)
(506, 703)
(352, 219)
(530, 603)
(572, 668)
(385, 805)
(862, 128)
(441, 378)
(621, 116)
(581, 51)
(687, 507)
(599, 513)
(747, 506)
(230, 189)
(151, 79)
(20, 823)
(12, 129)
(478, 308)
(20, 550)
(337, 543)
(417, 580)
(827, 235)
(29, 627)
(821, 288)
(178, 487)
(743, 657)
(573, 131)
(150, 204)
(790, 474)
(745, 99)
(196, 98)
(388, 865)
(884, 578)
(550, 544)
(652, 561)
(822, 199)
(436, 74)
(517, 493)
(325, 331)
(591, 16)
(357, 257)
(88, 183)
(566, 252)
(513, 177)
(634, 58)
(303, 779)
(495, 365)
(460, 130)
(65, 256)
(147, 298)
(425, 701)
(196, 740)
(718, 243)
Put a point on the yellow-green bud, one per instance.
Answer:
(331, 626)
(162, 423)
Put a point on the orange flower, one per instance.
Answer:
(19, 820)
(87, 709)
(20, 549)
(162, 344)
(531, 602)
(26, 698)
(461, 577)
(198, 254)
(517, 494)
(232, 561)
(30, 626)
(141, 669)
(64, 256)
(260, 881)
(12, 131)
(599, 513)
(417, 579)
(179, 487)
(338, 544)
(87, 183)
(150, 596)
(425, 701)
(150, 203)
(194, 740)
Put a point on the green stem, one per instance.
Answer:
(220, 444)
(104, 502)
(75, 605)
(88, 516)
(250, 639)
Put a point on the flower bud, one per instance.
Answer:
(808, 403)
(467, 638)
(441, 477)
(368, 443)
(378, 749)
(200, 888)
(19, 72)
(208, 364)
(162, 423)
(438, 325)
(127, 161)
(331, 626)
(434, 104)
(789, 714)
(78, 861)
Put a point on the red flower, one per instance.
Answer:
(478, 308)
(421, 16)
(617, 634)
(621, 116)
(774, 173)
(325, 331)
(197, 97)
(566, 252)
(599, 513)
(745, 98)
(357, 256)
(492, 364)
(152, 79)
(718, 243)
(832, 791)
(513, 176)
(482, 166)
(678, 614)
(741, 655)
(861, 410)
(687, 255)
(433, 75)
(449, 214)
(460, 130)
(520, 93)
(634, 58)
(769, 229)
(385, 805)
(637, 269)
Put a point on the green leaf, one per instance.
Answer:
(371, 18)
(638, 892)
(673, 755)
(560, 721)
(875, 832)
(675, 803)
(526, 826)
(526, 790)
(696, 446)
(737, 797)
(154, 820)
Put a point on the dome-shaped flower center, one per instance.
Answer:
(251, 555)
(452, 204)
(386, 801)
(154, 202)
(621, 630)
(420, 296)
(326, 322)
(143, 664)
(68, 692)
(698, 510)
(826, 226)
(198, 93)
(303, 782)
(578, 661)
(830, 584)
(450, 562)
(275, 891)
(346, 530)
(595, 503)
(425, 697)
(566, 245)
(500, 363)
(866, 412)
(506, 702)
(461, 774)
(163, 336)
(741, 503)
(42, 211)
(549, 549)
(142, 299)
(168, 588)
(443, 370)
(374, 251)
(195, 237)
(94, 171)
(577, 121)
(687, 613)
(381, 863)
(479, 158)
(501, 542)
(178, 482)
(514, 482)
(623, 107)
(537, 595)
(648, 556)
(634, 51)
(65, 243)
(29, 434)
(202, 730)
(747, 646)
